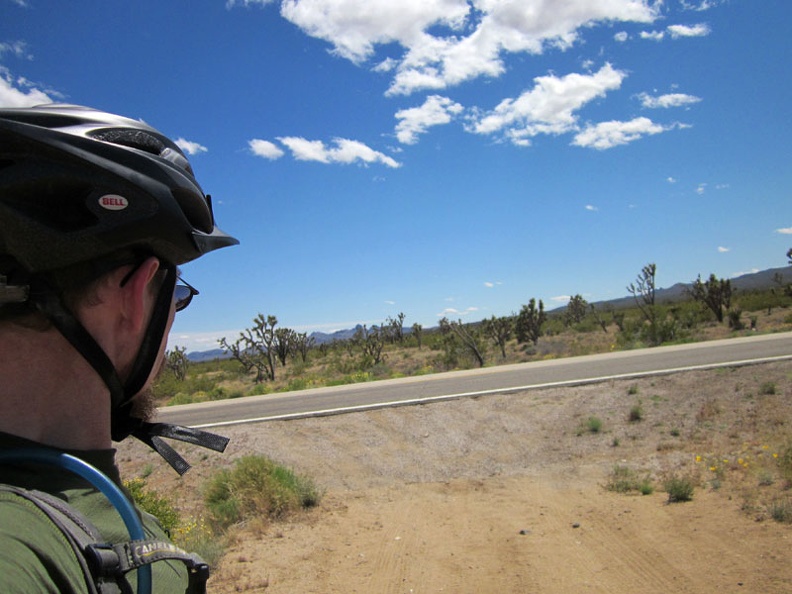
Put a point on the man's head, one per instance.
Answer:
(97, 210)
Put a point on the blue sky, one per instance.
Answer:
(440, 157)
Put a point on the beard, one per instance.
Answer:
(144, 406)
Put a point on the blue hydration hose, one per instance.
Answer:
(110, 490)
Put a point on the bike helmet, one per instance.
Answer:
(79, 185)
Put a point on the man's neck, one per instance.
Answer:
(49, 393)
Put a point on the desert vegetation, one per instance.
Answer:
(267, 358)
(258, 491)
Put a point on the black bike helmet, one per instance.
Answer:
(79, 185)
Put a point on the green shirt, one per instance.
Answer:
(35, 555)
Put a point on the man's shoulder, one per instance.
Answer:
(35, 556)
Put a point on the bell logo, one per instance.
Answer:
(113, 202)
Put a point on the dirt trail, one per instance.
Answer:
(524, 534)
(504, 494)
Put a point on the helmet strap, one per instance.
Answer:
(123, 424)
(49, 303)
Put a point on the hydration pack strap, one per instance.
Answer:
(105, 565)
(79, 532)
(112, 561)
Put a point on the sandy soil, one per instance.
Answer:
(506, 494)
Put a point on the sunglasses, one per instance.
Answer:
(183, 294)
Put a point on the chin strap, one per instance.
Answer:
(152, 433)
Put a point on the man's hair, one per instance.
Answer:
(76, 285)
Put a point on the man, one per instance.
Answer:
(96, 213)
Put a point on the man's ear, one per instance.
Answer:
(136, 293)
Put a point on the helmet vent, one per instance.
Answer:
(137, 139)
(196, 208)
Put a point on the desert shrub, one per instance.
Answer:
(257, 487)
(761, 300)
(168, 385)
(708, 411)
(767, 389)
(785, 463)
(781, 511)
(625, 480)
(590, 425)
(735, 321)
(157, 505)
(196, 536)
(636, 413)
(679, 489)
(299, 383)
(192, 534)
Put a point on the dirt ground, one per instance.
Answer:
(506, 493)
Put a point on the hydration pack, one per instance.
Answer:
(105, 564)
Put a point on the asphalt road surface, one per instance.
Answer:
(506, 378)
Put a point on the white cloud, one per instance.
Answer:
(591, 208)
(621, 36)
(435, 111)
(669, 100)
(671, 180)
(489, 285)
(701, 189)
(306, 150)
(744, 272)
(387, 65)
(19, 92)
(785, 231)
(190, 147)
(653, 35)
(677, 31)
(723, 250)
(607, 135)
(16, 48)
(702, 6)
(447, 42)
(700, 30)
(450, 311)
(265, 148)
(561, 298)
(201, 341)
(246, 3)
(548, 108)
(345, 151)
(355, 27)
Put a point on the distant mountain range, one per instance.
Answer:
(746, 282)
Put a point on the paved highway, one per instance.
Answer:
(506, 378)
